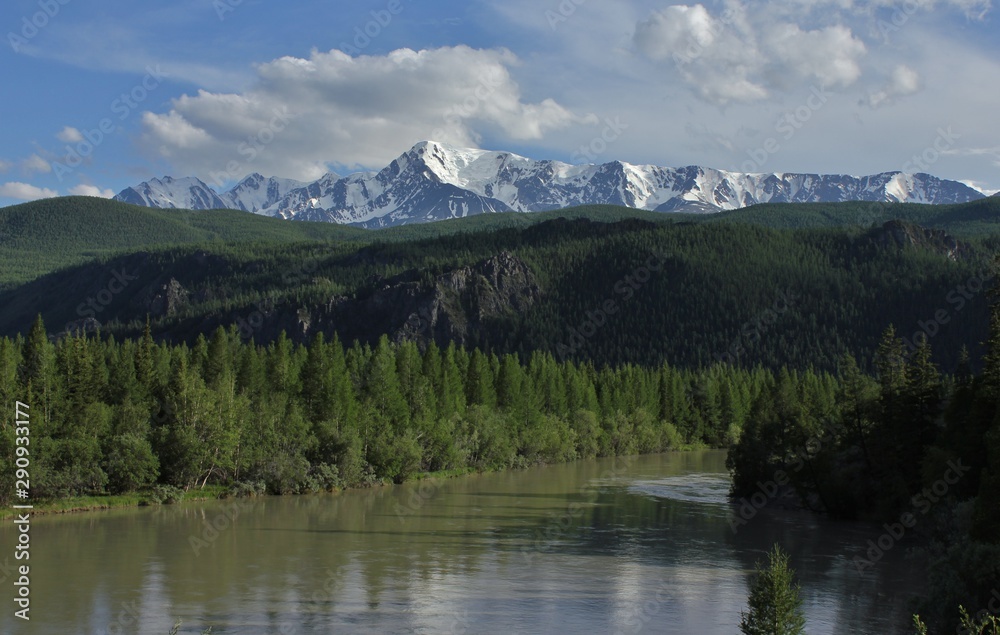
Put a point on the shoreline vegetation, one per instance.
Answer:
(135, 500)
(904, 446)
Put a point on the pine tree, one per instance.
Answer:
(36, 373)
(479, 389)
(855, 400)
(217, 362)
(144, 360)
(920, 408)
(986, 516)
(382, 387)
(774, 602)
(317, 381)
(451, 395)
(890, 365)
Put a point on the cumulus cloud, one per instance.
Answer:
(302, 115)
(69, 134)
(90, 190)
(829, 55)
(902, 82)
(741, 56)
(25, 191)
(36, 164)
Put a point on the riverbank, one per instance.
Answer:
(216, 492)
(146, 499)
(107, 502)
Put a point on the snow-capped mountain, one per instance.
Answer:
(252, 194)
(171, 193)
(432, 182)
(256, 193)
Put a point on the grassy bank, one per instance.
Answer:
(95, 503)
(210, 492)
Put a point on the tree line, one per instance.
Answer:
(911, 448)
(114, 416)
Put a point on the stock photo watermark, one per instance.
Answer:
(595, 319)
(922, 503)
(253, 146)
(563, 12)
(365, 34)
(85, 142)
(588, 152)
(32, 25)
(771, 490)
(560, 524)
(787, 126)
(486, 86)
(753, 331)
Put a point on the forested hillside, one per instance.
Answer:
(609, 293)
(39, 237)
(858, 363)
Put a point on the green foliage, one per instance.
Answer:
(165, 495)
(130, 463)
(724, 291)
(288, 418)
(908, 441)
(775, 607)
(46, 235)
(969, 625)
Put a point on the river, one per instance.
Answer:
(622, 546)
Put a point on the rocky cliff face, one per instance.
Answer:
(454, 306)
(901, 234)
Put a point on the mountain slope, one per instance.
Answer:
(433, 182)
(39, 237)
(628, 291)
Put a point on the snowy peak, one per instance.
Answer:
(433, 181)
(170, 193)
(255, 192)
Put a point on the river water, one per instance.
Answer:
(622, 546)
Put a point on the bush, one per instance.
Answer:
(323, 478)
(165, 495)
(130, 464)
(246, 489)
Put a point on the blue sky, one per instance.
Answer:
(102, 95)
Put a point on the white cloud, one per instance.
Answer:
(303, 115)
(36, 164)
(742, 56)
(90, 190)
(69, 135)
(5, 166)
(25, 191)
(713, 55)
(902, 82)
(830, 55)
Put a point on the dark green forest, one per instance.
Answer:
(851, 368)
(44, 236)
(115, 417)
(908, 447)
(690, 294)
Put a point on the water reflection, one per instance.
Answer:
(597, 546)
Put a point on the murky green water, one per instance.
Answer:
(640, 545)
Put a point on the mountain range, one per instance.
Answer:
(433, 181)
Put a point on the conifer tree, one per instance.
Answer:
(775, 607)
